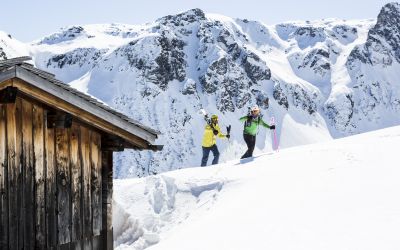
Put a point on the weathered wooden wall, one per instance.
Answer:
(55, 183)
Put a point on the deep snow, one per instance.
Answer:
(341, 194)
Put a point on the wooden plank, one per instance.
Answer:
(76, 189)
(3, 180)
(96, 241)
(87, 207)
(95, 158)
(107, 189)
(104, 121)
(110, 243)
(77, 245)
(19, 153)
(66, 246)
(14, 144)
(39, 168)
(63, 177)
(28, 176)
(51, 187)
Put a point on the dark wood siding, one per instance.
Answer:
(51, 182)
(107, 179)
(95, 166)
(15, 187)
(26, 225)
(39, 173)
(3, 180)
(76, 186)
(87, 202)
(51, 191)
(63, 178)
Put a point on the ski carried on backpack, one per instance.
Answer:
(205, 114)
(208, 120)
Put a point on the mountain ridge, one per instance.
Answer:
(314, 77)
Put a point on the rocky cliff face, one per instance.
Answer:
(374, 90)
(320, 79)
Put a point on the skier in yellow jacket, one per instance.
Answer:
(212, 130)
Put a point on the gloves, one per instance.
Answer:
(228, 136)
(272, 127)
(249, 118)
(215, 132)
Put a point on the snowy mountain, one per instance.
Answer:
(10, 47)
(320, 79)
(341, 194)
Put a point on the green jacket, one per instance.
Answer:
(251, 127)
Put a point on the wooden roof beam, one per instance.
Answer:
(73, 100)
(80, 114)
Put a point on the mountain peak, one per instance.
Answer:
(190, 16)
(392, 6)
(389, 14)
(387, 29)
(196, 11)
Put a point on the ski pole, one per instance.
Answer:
(228, 131)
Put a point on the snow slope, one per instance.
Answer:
(10, 47)
(342, 194)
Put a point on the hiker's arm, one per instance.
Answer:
(244, 118)
(220, 135)
(264, 124)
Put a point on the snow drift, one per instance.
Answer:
(341, 194)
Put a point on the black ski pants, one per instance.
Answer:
(206, 152)
(251, 143)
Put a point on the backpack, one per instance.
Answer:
(248, 122)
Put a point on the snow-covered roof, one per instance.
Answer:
(19, 68)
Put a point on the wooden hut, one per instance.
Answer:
(56, 148)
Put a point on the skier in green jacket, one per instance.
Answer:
(251, 123)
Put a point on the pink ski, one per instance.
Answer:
(275, 141)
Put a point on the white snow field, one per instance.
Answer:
(341, 194)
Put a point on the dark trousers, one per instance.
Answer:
(251, 143)
(206, 152)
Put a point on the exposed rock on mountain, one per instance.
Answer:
(319, 79)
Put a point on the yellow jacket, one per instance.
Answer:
(209, 139)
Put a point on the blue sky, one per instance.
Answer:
(27, 20)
